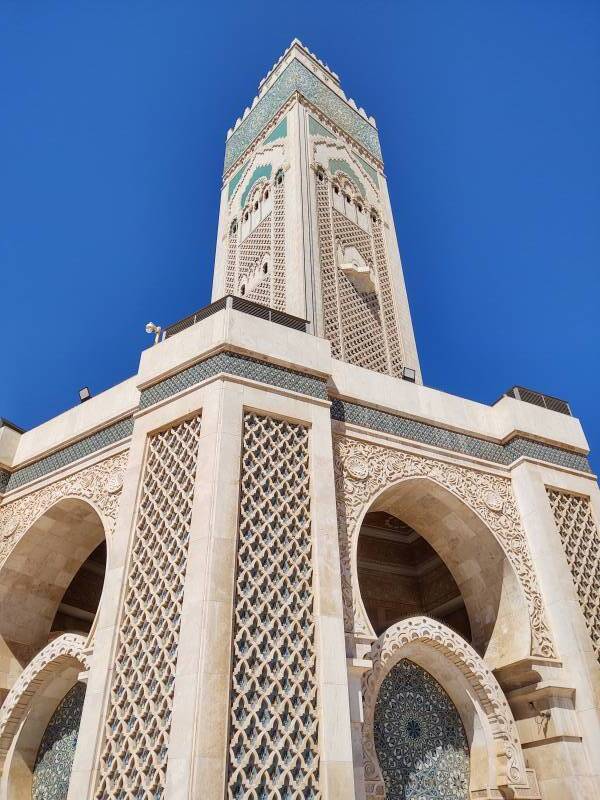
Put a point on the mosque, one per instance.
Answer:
(272, 564)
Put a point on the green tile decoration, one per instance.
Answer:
(264, 171)
(316, 129)
(233, 183)
(341, 165)
(280, 132)
(297, 78)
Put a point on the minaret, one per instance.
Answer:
(305, 223)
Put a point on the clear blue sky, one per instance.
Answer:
(114, 117)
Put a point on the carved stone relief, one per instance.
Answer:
(390, 648)
(99, 484)
(363, 470)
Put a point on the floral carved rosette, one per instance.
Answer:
(362, 470)
(99, 484)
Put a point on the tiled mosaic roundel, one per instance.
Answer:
(420, 741)
(54, 760)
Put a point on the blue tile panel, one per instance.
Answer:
(4, 478)
(297, 78)
(459, 442)
(54, 761)
(420, 742)
(61, 458)
(235, 364)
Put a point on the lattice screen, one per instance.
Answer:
(273, 727)
(361, 327)
(581, 540)
(134, 756)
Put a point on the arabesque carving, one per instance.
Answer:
(99, 484)
(390, 648)
(364, 469)
(67, 650)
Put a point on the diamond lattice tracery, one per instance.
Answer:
(273, 727)
(581, 541)
(134, 756)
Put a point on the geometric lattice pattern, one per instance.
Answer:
(360, 325)
(420, 741)
(273, 726)
(581, 541)
(134, 755)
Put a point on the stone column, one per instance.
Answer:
(102, 667)
(560, 742)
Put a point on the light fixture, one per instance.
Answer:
(155, 329)
(84, 394)
(409, 374)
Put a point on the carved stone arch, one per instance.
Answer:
(497, 762)
(99, 485)
(365, 471)
(48, 534)
(29, 706)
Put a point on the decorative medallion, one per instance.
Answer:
(358, 468)
(493, 501)
(114, 482)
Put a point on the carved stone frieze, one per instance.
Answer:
(99, 484)
(364, 469)
(390, 648)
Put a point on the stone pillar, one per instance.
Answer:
(103, 667)
(558, 717)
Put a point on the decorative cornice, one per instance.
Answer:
(504, 454)
(298, 78)
(100, 485)
(109, 435)
(234, 364)
(390, 648)
(363, 470)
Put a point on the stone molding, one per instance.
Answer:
(390, 648)
(63, 456)
(100, 485)
(501, 453)
(67, 650)
(363, 470)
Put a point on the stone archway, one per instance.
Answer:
(370, 477)
(497, 767)
(30, 706)
(40, 573)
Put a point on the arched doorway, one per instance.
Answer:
(421, 550)
(400, 574)
(436, 723)
(420, 741)
(52, 581)
(50, 591)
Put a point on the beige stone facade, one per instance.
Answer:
(246, 550)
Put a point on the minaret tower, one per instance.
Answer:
(306, 224)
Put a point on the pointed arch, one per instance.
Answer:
(29, 706)
(497, 762)
(470, 517)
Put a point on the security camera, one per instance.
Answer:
(155, 329)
